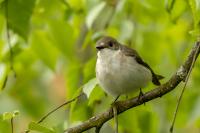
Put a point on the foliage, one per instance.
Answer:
(53, 47)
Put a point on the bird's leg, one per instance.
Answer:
(140, 95)
(114, 108)
(115, 118)
(115, 100)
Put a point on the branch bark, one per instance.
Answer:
(180, 75)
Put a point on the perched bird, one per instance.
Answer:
(120, 69)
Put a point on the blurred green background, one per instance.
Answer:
(53, 46)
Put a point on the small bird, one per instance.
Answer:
(120, 70)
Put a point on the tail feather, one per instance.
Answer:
(156, 78)
(159, 77)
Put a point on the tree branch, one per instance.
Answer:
(183, 90)
(122, 106)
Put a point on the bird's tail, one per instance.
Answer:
(159, 77)
(156, 79)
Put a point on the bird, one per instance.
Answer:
(120, 70)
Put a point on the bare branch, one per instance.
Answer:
(122, 106)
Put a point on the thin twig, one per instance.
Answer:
(12, 125)
(183, 89)
(44, 117)
(115, 118)
(65, 103)
(8, 38)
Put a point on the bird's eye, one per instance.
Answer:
(110, 44)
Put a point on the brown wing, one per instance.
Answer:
(131, 52)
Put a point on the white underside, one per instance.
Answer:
(119, 74)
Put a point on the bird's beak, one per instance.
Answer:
(100, 46)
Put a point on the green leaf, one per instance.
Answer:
(96, 95)
(103, 18)
(76, 5)
(170, 5)
(19, 14)
(93, 14)
(7, 116)
(2, 26)
(73, 104)
(89, 86)
(127, 30)
(99, 18)
(37, 127)
(16, 48)
(1, 1)
(44, 48)
(88, 66)
(65, 38)
(15, 113)
(195, 6)
(3, 75)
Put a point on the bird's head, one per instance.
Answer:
(107, 42)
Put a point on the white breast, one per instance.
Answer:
(119, 74)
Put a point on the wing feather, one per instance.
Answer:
(131, 52)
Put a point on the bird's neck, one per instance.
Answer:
(107, 54)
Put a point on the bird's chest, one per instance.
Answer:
(119, 74)
(109, 66)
